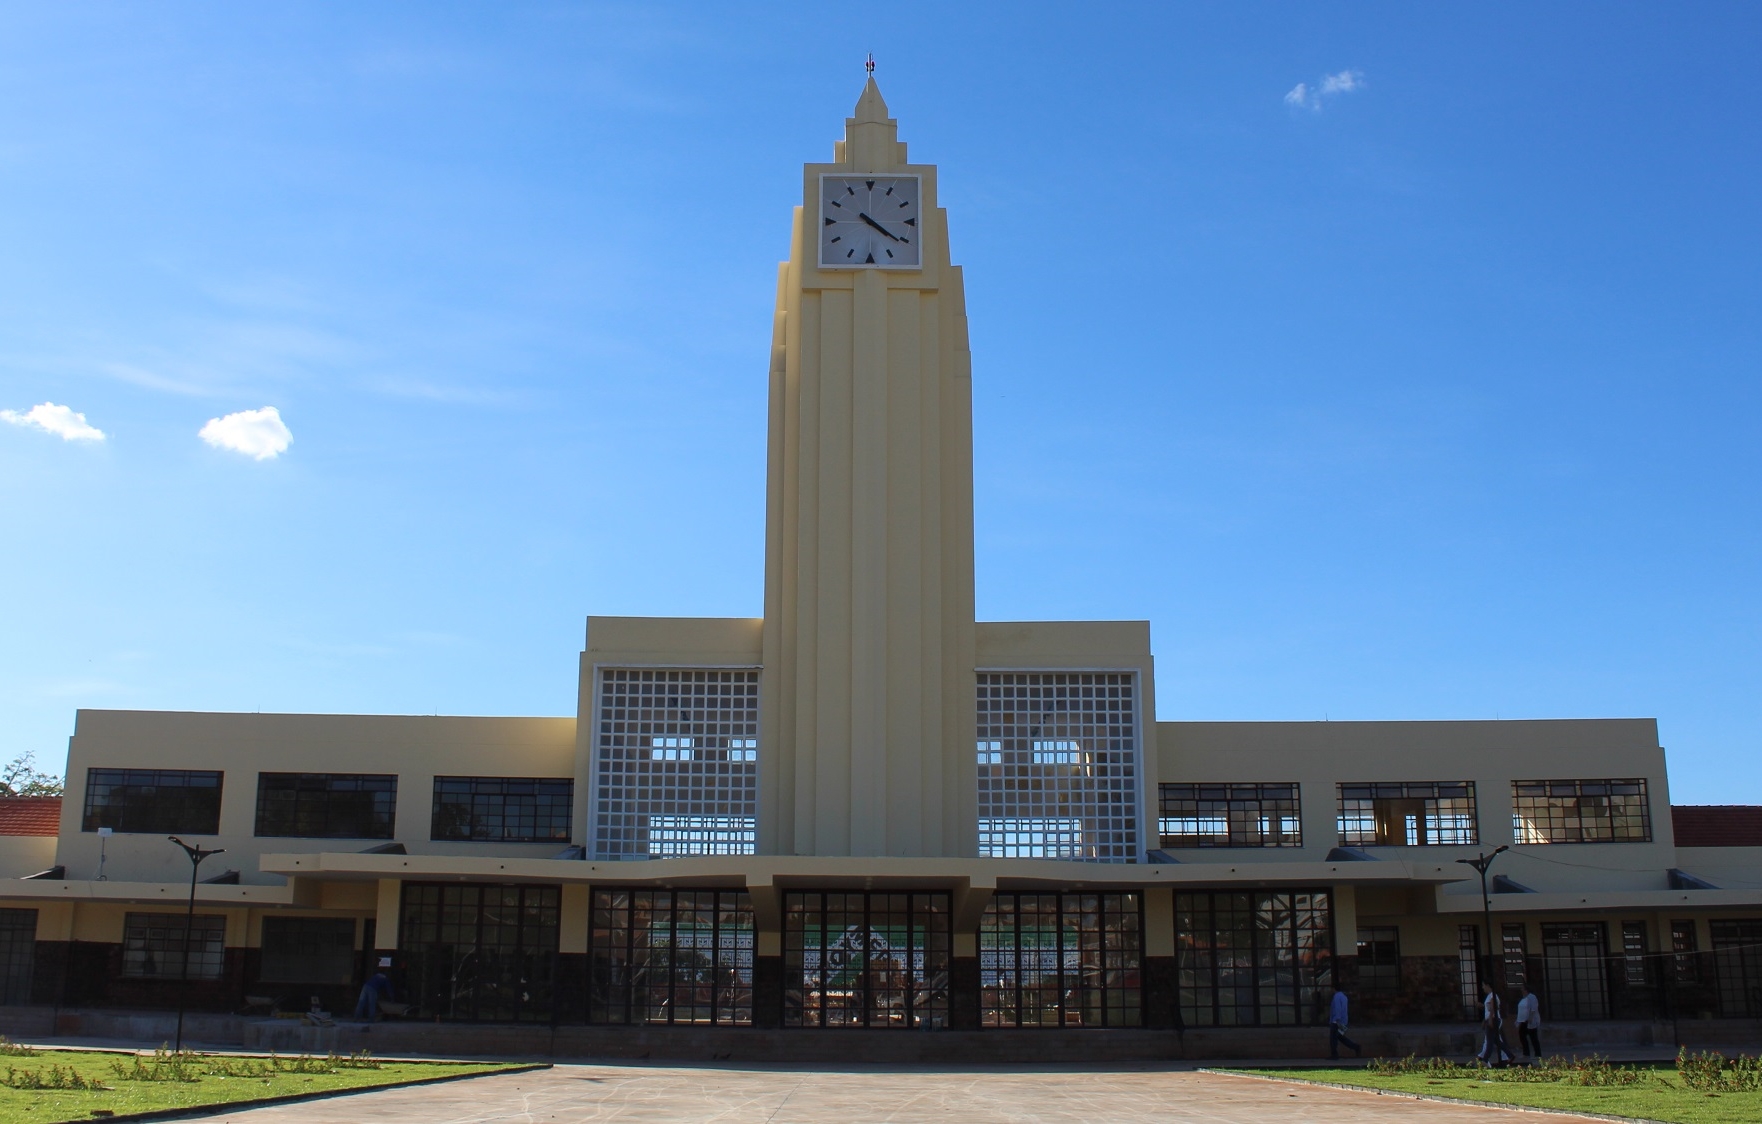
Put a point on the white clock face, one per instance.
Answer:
(869, 222)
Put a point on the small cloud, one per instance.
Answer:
(62, 421)
(1305, 96)
(255, 433)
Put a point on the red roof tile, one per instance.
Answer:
(1717, 825)
(30, 815)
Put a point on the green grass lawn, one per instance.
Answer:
(1661, 1096)
(149, 1085)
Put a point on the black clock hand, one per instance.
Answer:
(877, 226)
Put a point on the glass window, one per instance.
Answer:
(1230, 815)
(480, 952)
(326, 805)
(153, 801)
(1516, 951)
(153, 946)
(671, 956)
(1573, 971)
(676, 763)
(308, 950)
(1407, 814)
(1581, 811)
(1254, 958)
(1633, 952)
(1061, 960)
(1737, 966)
(18, 953)
(1468, 972)
(503, 809)
(1057, 756)
(865, 959)
(1379, 959)
(1684, 948)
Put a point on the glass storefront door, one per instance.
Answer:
(865, 959)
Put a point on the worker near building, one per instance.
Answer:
(377, 988)
(1337, 1018)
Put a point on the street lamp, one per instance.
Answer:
(1481, 863)
(197, 854)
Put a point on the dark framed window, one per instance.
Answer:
(327, 805)
(1229, 815)
(1061, 960)
(1574, 979)
(1516, 954)
(503, 809)
(153, 946)
(1379, 959)
(1737, 966)
(1581, 811)
(481, 952)
(1408, 814)
(1633, 952)
(1468, 972)
(1254, 957)
(153, 801)
(308, 950)
(18, 954)
(671, 956)
(865, 959)
(1685, 947)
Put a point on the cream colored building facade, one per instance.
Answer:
(868, 808)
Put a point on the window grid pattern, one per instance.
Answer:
(1516, 954)
(1572, 971)
(153, 946)
(1057, 749)
(503, 809)
(1229, 815)
(675, 759)
(308, 950)
(1408, 814)
(1737, 966)
(1633, 953)
(327, 805)
(1684, 947)
(153, 801)
(480, 952)
(18, 954)
(1061, 960)
(671, 956)
(1379, 959)
(866, 959)
(1614, 811)
(1468, 971)
(1254, 958)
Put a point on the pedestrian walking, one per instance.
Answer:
(1337, 1027)
(1494, 1052)
(1529, 1022)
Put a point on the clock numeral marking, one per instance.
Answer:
(907, 203)
(849, 190)
(889, 254)
(906, 241)
(871, 260)
(851, 254)
(840, 238)
(911, 222)
(890, 192)
(871, 184)
(829, 222)
(835, 203)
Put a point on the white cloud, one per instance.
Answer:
(62, 421)
(256, 433)
(1305, 96)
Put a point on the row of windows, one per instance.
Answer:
(1403, 814)
(330, 805)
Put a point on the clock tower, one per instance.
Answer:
(868, 684)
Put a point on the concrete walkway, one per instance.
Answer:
(793, 1095)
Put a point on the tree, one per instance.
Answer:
(19, 777)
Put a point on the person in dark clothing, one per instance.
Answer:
(1337, 1012)
(377, 987)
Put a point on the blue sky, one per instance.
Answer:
(1428, 392)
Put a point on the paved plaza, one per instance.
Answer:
(570, 1093)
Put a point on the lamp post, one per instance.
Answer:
(1481, 863)
(197, 854)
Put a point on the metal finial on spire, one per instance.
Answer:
(869, 63)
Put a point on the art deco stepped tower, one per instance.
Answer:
(869, 633)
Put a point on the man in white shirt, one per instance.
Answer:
(1529, 1022)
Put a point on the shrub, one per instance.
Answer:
(55, 1077)
(1711, 1072)
(12, 1049)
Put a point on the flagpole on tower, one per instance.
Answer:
(869, 64)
